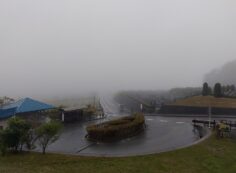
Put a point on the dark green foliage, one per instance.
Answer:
(117, 129)
(209, 90)
(232, 87)
(205, 89)
(15, 135)
(217, 90)
(48, 133)
(54, 114)
(228, 88)
(19, 133)
(3, 147)
(228, 91)
(30, 139)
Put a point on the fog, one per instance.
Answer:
(67, 47)
(224, 74)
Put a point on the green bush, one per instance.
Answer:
(3, 147)
(117, 129)
(15, 135)
(47, 134)
(218, 90)
(20, 132)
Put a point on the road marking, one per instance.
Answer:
(149, 119)
(164, 121)
(180, 122)
(85, 147)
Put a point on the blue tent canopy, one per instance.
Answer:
(23, 106)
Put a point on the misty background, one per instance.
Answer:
(54, 48)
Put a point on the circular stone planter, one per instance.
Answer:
(118, 129)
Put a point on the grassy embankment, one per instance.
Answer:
(205, 101)
(212, 155)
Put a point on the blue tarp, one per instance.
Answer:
(23, 106)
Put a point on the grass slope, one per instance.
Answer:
(210, 156)
(205, 101)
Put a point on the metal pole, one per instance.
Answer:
(209, 112)
(141, 107)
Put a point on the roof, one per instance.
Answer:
(23, 106)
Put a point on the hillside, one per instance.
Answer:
(224, 75)
(205, 101)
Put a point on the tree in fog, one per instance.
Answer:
(217, 90)
(205, 89)
(47, 134)
(15, 135)
(232, 87)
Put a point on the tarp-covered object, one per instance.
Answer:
(23, 106)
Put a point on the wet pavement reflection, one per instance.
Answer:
(161, 134)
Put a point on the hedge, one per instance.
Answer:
(116, 129)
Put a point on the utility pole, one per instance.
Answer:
(141, 107)
(209, 113)
(94, 101)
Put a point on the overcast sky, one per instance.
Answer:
(60, 47)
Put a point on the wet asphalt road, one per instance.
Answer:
(161, 134)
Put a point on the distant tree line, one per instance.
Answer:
(218, 90)
(20, 134)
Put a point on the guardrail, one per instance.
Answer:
(214, 123)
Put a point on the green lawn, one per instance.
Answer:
(205, 101)
(212, 155)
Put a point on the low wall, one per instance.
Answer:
(173, 109)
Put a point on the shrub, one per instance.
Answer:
(205, 89)
(217, 90)
(19, 133)
(47, 134)
(117, 129)
(3, 147)
(15, 134)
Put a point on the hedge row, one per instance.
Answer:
(116, 129)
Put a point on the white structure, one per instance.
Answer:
(141, 107)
